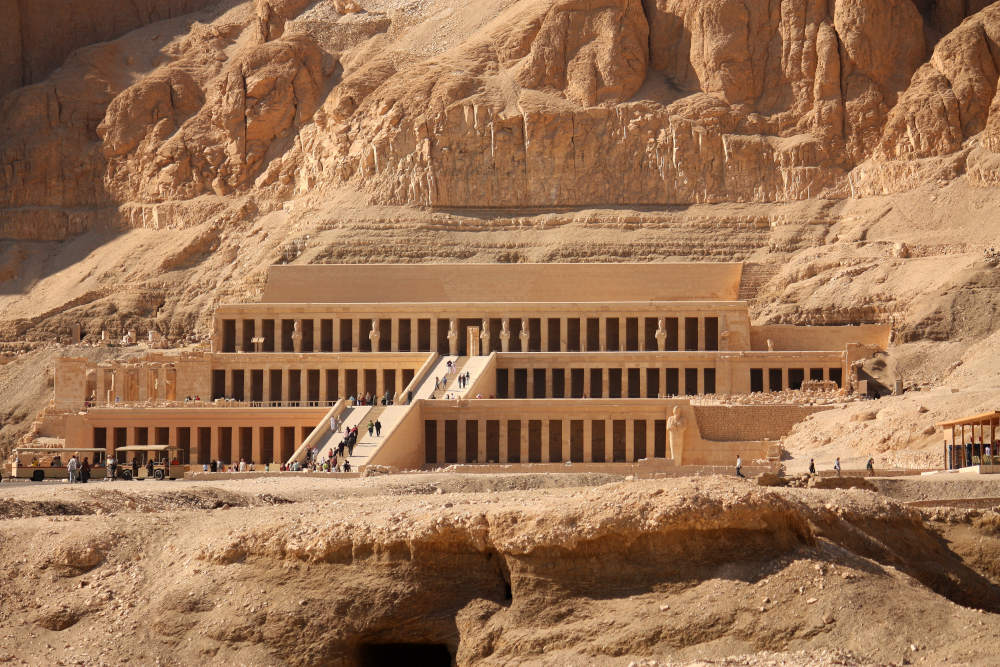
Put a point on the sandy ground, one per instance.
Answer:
(597, 570)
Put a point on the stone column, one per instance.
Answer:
(379, 382)
(440, 441)
(586, 380)
(100, 393)
(229, 382)
(545, 442)
(784, 378)
(304, 386)
(588, 441)
(356, 334)
(504, 454)
(214, 444)
(462, 447)
(524, 441)
(324, 389)
(681, 333)
(583, 334)
(701, 332)
(266, 392)
(622, 333)
(393, 334)
(548, 383)
(279, 335)
(247, 384)
(505, 334)
(563, 334)
(510, 383)
(335, 323)
(602, 324)
(239, 335)
(643, 381)
(609, 445)
(258, 332)
(544, 324)
(434, 333)
(481, 440)
(342, 383)
(630, 440)
(566, 442)
(531, 382)
(256, 453)
(284, 384)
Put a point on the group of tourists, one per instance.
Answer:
(79, 471)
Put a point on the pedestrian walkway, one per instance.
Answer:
(389, 416)
(351, 417)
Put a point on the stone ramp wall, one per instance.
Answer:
(723, 423)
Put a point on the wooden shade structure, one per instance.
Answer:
(988, 424)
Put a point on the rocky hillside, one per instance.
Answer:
(850, 142)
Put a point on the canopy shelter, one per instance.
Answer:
(61, 450)
(973, 440)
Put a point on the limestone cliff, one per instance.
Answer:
(541, 103)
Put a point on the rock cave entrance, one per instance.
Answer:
(418, 655)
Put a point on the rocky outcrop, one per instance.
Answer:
(550, 103)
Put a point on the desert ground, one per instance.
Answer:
(501, 569)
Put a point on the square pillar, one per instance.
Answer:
(341, 382)
(510, 383)
(304, 386)
(622, 335)
(440, 442)
(214, 444)
(504, 454)
(643, 380)
(548, 384)
(630, 440)
(701, 333)
(609, 443)
(588, 441)
(434, 333)
(247, 385)
(586, 381)
(583, 333)
(356, 334)
(481, 440)
(784, 378)
(266, 393)
(256, 455)
(563, 334)
(284, 385)
(324, 389)
(336, 334)
(461, 454)
(258, 332)
(545, 442)
(229, 382)
(379, 382)
(239, 335)
(545, 334)
(602, 323)
(394, 334)
(567, 455)
(524, 441)
(531, 382)
(681, 333)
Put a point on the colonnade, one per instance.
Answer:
(599, 381)
(448, 335)
(544, 440)
(134, 383)
(200, 444)
(314, 386)
(785, 377)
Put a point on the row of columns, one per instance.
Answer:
(807, 373)
(705, 379)
(282, 446)
(511, 328)
(655, 441)
(131, 383)
(328, 392)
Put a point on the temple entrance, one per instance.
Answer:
(473, 341)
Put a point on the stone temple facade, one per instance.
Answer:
(587, 365)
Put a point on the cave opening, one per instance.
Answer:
(417, 655)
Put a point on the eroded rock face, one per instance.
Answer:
(551, 103)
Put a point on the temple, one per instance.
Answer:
(567, 363)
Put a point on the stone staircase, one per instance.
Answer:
(351, 417)
(390, 416)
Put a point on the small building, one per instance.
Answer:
(973, 441)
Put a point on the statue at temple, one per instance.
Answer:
(374, 335)
(297, 335)
(661, 335)
(676, 425)
(484, 338)
(452, 337)
(505, 334)
(524, 335)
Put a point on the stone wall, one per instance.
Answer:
(750, 422)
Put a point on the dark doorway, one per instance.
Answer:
(573, 334)
(423, 335)
(756, 380)
(502, 380)
(416, 655)
(611, 334)
(593, 334)
(267, 333)
(346, 334)
(385, 335)
(287, 327)
(405, 336)
(555, 334)
(632, 334)
(691, 333)
(326, 335)
(228, 335)
(308, 336)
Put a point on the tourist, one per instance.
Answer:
(71, 467)
(85, 470)
(135, 468)
(739, 466)
(110, 468)
(870, 467)
(409, 396)
(347, 466)
(371, 428)
(149, 468)
(378, 429)
(812, 467)
(836, 466)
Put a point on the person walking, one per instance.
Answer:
(836, 466)
(870, 467)
(378, 429)
(812, 467)
(71, 467)
(111, 469)
(371, 427)
(85, 470)
(739, 466)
